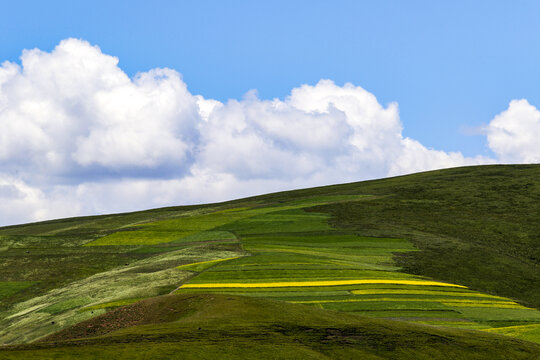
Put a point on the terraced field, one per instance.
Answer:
(296, 257)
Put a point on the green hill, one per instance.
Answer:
(234, 327)
(441, 251)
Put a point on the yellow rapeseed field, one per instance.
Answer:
(507, 305)
(422, 292)
(319, 283)
(446, 302)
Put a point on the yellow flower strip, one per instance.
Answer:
(516, 329)
(508, 305)
(319, 283)
(466, 301)
(452, 302)
(207, 262)
(422, 292)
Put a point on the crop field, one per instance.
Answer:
(525, 332)
(197, 226)
(299, 249)
(296, 257)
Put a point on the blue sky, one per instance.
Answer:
(434, 84)
(451, 65)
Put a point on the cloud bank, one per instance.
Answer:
(78, 136)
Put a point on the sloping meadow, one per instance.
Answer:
(286, 247)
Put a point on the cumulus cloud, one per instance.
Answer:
(78, 136)
(21, 202)
(514, 134)
(73, 109)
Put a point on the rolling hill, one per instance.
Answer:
(441, 264)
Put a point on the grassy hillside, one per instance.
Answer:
(231, 327)
(475, 226)
(456, 249)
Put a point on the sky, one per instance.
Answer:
(127, 105)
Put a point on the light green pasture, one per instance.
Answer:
(140, 237)
(191, 226)
(110, 304)
(524, 332)
(185, 229)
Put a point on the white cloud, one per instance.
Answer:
(78, 136)
(514, 134)
(415, 157)
(21, 202)
(73, 108)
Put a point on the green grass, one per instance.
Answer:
(110, 304)
(8, 288)
(140, 237)
(66, 305)
(524, 332)
(208, 236)
(395, 306)
(285, 221)
(203, 265)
